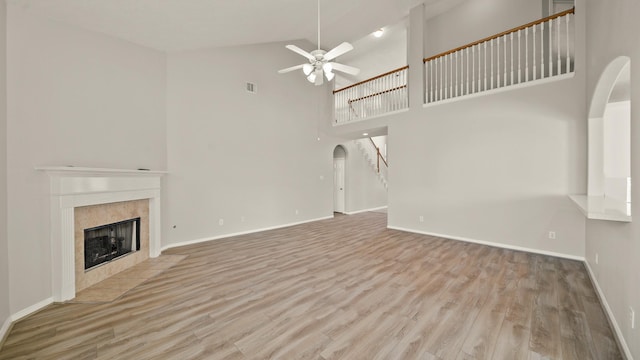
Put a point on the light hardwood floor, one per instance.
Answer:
(345, 288)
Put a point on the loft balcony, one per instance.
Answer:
(530, 54)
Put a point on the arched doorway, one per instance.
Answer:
(339, 174)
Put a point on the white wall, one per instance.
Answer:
(74, 98)
(616, 140)
(4, 245)
(611, 32)
(364, 190)
(617, 153)
(249, 159)
(469, 22)
(496, 168)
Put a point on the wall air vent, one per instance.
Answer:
(252, 88)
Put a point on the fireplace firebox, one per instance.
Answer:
(106, 243)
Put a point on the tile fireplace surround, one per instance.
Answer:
(71, 187)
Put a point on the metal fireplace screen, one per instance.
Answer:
(108, 242)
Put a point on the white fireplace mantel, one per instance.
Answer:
(71, 187)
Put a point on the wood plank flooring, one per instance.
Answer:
(345, 288)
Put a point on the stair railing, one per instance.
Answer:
(379, 155)
(534, 51)
(376, 96)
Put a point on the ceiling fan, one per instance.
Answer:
(320, 64)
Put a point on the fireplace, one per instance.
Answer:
(106, 243)
(73, 190)
(109, 238)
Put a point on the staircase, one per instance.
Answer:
(371, 153)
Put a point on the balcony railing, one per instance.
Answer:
(377, 96)
(534, 51)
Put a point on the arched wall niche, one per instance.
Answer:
(609, 150)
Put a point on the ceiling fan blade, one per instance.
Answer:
(301, 52)
(338, 50)
(345, 68)
(319, 78)
(291, 69)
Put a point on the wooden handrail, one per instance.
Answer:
(521, 27)
(373, 78)
(376, 94)
(379, 154)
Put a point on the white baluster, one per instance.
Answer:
(498, 61)
(455, 74)
(551, 49)
(504, 66)
(433, 87)
(437, 78)
(442, 73)
(559, 52)
(404, 93)
(519, 57)
(375, 99)
(384, 98)
(473, 69)
(429, 72)
(467, 77)
(446, 76)
(534, 52)
(568, 52)
(459, 67)
(492, 64)
(542, 50)
(451, 82)
(388, 95)
(526, 54)
(461, 72)
(441, 78)
(382, 104)
(433, 80)
(511, 41)
(485, 67)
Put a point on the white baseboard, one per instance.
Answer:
(610, 316)
(19, 315)
(494, 244)
(31, 309)
(365, 210)
(4, 330)
(224, 236)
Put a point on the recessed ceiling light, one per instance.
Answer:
(365, 134)
(378, 33)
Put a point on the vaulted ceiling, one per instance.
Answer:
(174, 25)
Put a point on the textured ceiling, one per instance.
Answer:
(174, 25)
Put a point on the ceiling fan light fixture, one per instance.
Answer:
(327, 67)
(329, 75)
(312, 77)
(307, 69)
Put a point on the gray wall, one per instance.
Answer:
(4, 245)
(74, 98)
(251, 160)
(612, 31)
(496, 168)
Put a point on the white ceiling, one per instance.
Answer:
(175, 25)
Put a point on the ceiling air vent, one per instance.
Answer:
(252, 88)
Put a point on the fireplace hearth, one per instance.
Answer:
(106, 243)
